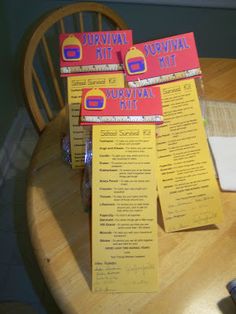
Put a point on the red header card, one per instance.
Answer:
(161, 60)
(93, 51)
(121, 105)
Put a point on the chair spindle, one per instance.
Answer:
(53, 73)
(81, 22)
(42, 95)
(99, 21)
(62, 26)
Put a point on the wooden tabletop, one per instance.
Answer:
(194, 265)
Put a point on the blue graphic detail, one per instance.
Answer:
(95, 103)
(72, 52)
(136, 66)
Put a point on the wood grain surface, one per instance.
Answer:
(194, 265)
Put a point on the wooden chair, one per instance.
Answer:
(44, 90)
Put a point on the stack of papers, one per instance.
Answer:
(221, 130)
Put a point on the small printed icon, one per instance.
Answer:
(95, 99)
(187, 86)
(71, 49)
(146, 132)
(135, 61)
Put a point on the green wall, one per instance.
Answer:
(214, 32)
(214, 28)
(8, 102)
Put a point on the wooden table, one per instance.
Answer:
(194, 265)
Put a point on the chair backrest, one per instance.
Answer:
(44, 90)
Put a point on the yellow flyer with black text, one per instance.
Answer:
(75, 84)
(124, 209)
(187, 187)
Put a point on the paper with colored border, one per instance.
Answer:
(121, 105)
(93, 51)
(161, 60)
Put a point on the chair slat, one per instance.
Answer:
(62, 26)
(81, 22)
(42, 95)
(99, 21)
(53, 73)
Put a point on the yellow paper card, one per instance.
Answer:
(75, 84)
(188, 191)
(124, 214)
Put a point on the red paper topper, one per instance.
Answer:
(121, 105)
(161, 60)
(93, 51)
